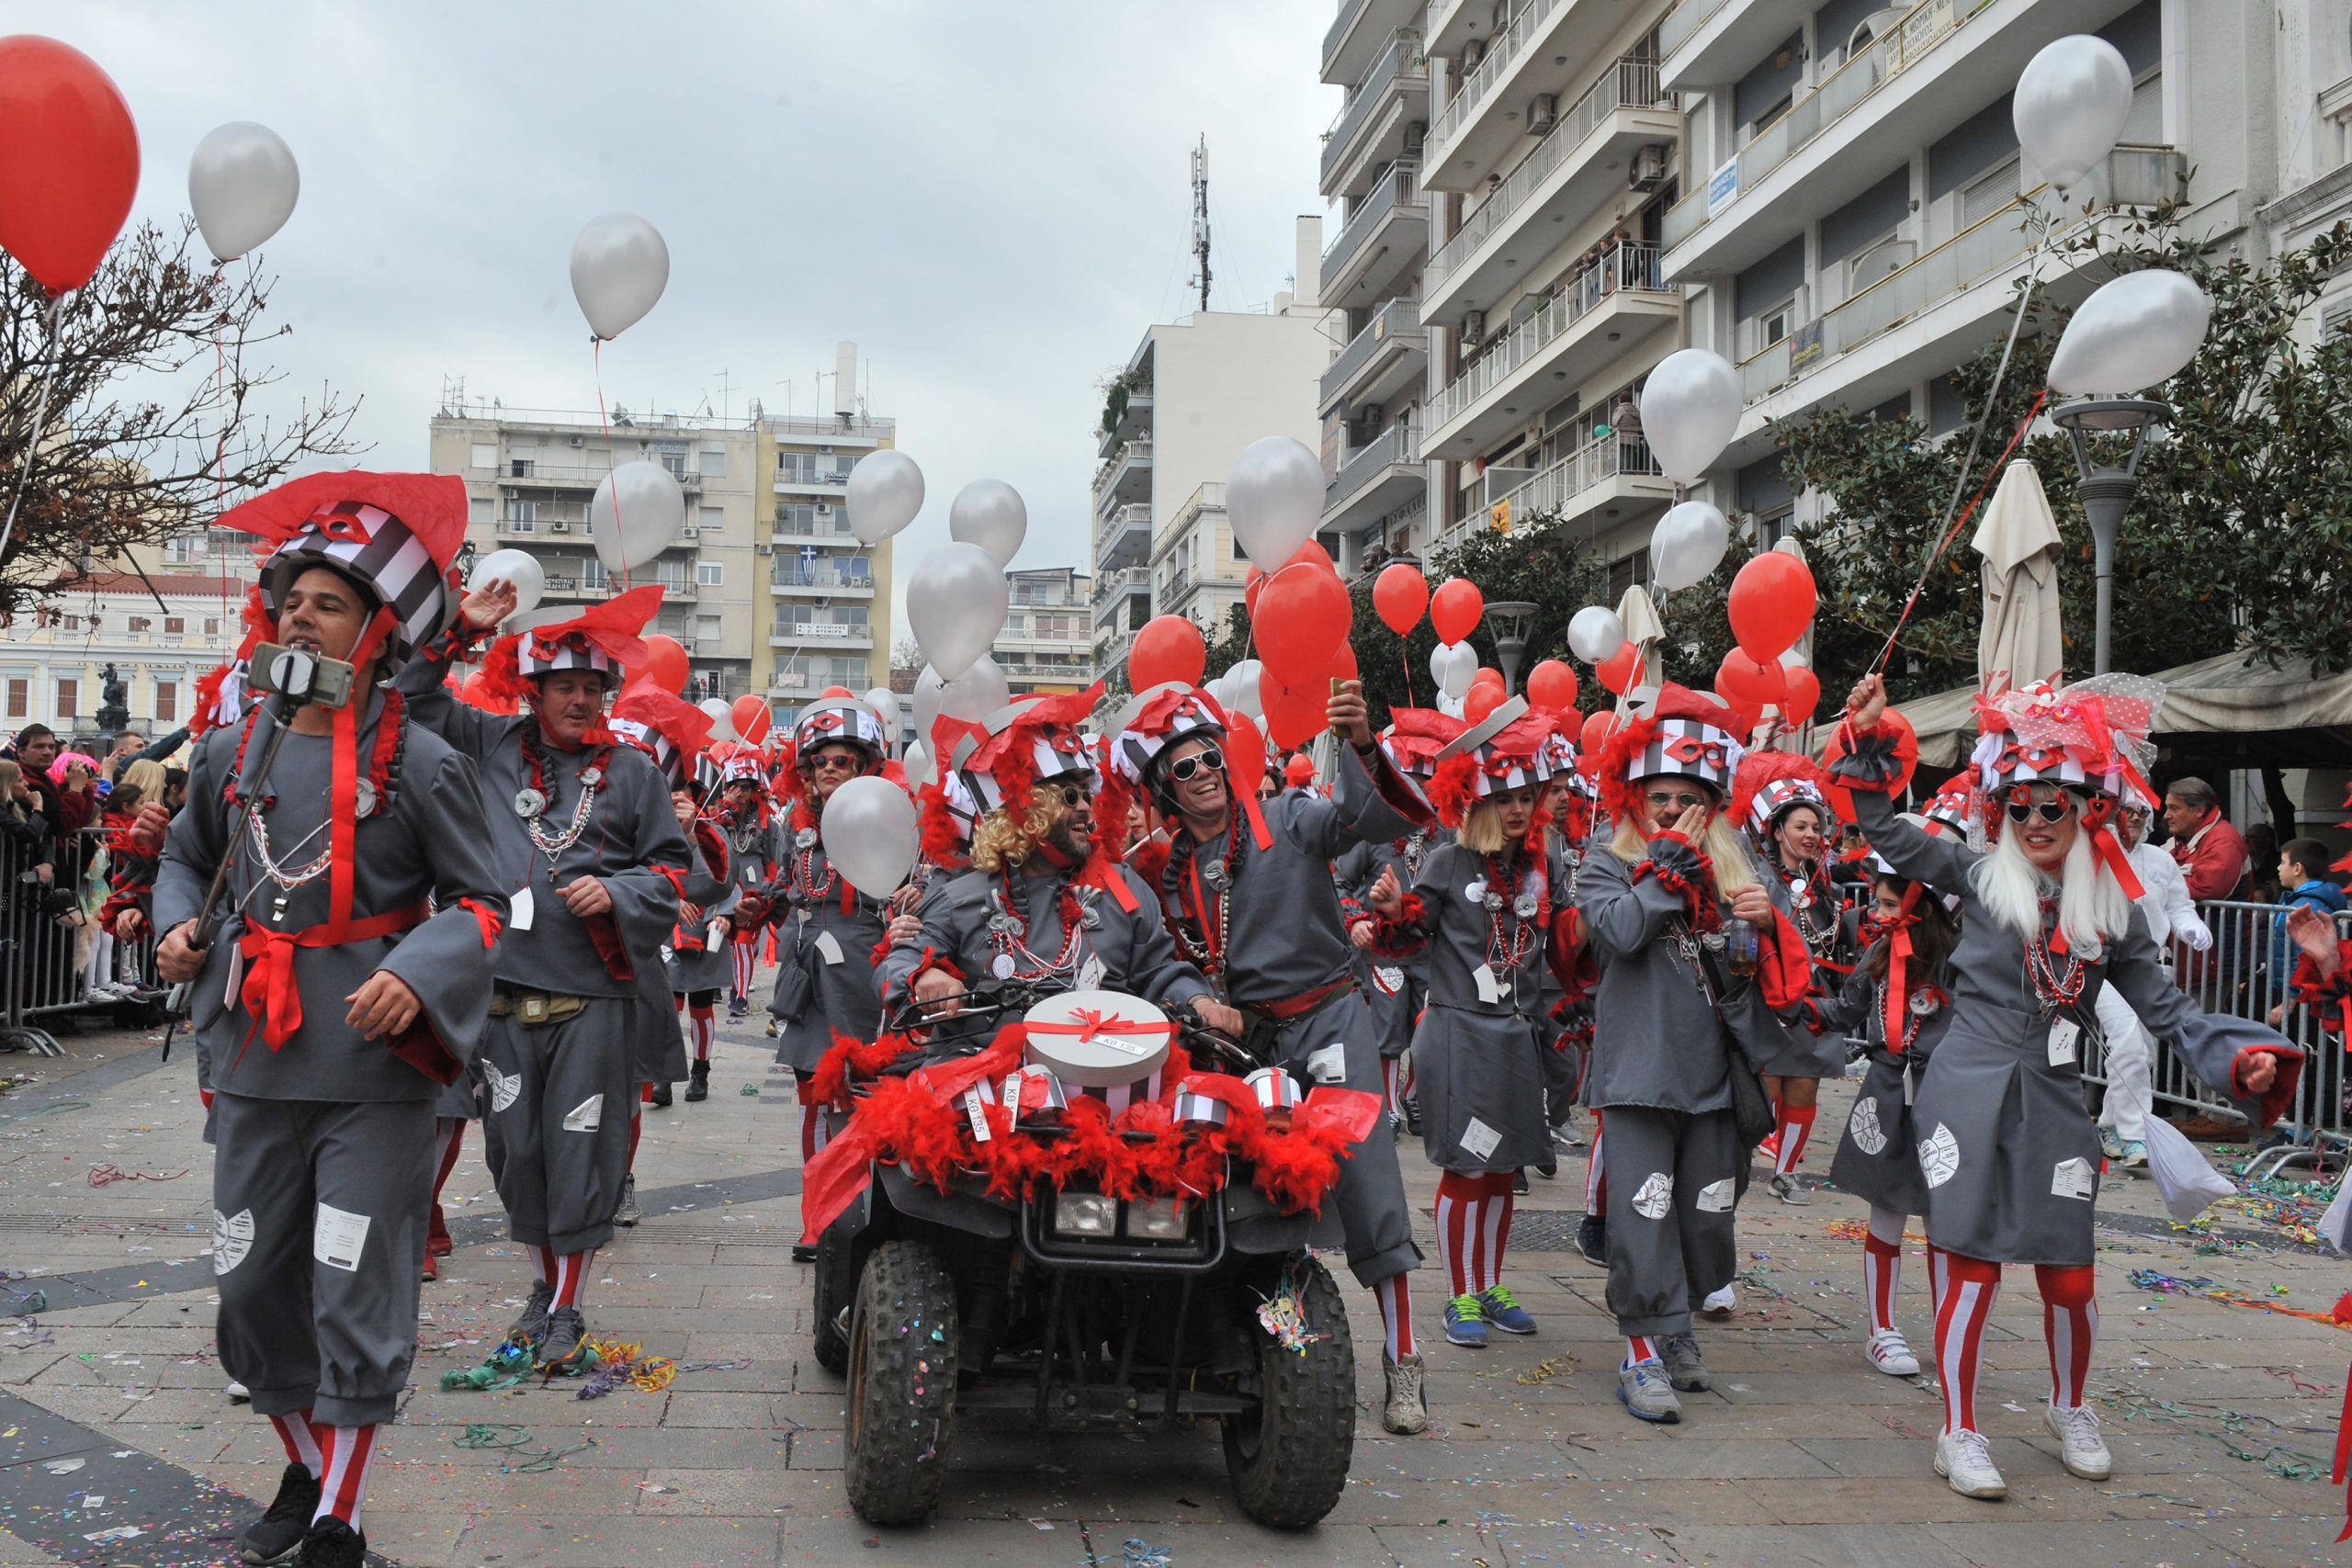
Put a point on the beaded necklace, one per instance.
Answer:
(531, 803)
(2054, 986)
(1529, 912)
(1206, 899)
(1009, 934)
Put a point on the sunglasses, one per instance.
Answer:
(2056, 810)
(1182, 769)
(1073, 795)
(830, 760)
(1663, 800)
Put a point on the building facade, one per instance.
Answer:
(1192, 394)
(1047, 643)
(53, 657)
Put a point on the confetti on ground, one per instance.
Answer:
(106, 1174)
(2166, 1284)
(1546, 1369)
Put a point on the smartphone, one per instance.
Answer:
(305, 677)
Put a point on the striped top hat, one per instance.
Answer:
(2090, 736)
(664, 726)
(1156, 719)
(1415, 737)
(840, 720)
(1027, 744)
(605, 638)
(1686, 734)
(393, 536)
(1505, 751)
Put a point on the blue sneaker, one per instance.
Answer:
(1500, 1307)
(1644, 1390)
(1465, 1323)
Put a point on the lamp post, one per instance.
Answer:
(2107, 492)
(1509, 620)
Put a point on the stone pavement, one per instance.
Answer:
(117, 1445)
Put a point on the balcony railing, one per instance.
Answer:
(576, 474)
(2136, 176)
(1137, 452)
(1208, 497)
(1398, 444)
(1137, 514)
(1110, 655)
(1402, 59)
(1627, 267)
(1554, 489)
(1630, 83)
(1885, 57)
(1399, 189)
(1349, 11)
(1111, 586)
(784, 576)
(1684, 22)
(1507, 47)
(1392, 321)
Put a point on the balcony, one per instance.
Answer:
(1385, 358)
(1134, 420)
(1124, 539)
(820, 633)
(1601, 314)
(1611, 481)
(1356, 34)
(1454, 23)
(1547, 52)
(1710, 43)
(1112, 654)
(783, 580)
(1924, 317)
(825, 487)
(1922, 78)
(1578, 167)
(1382, 240)
(1375, 481)
(1113, 590)
(551, 476)
(1371, 129)
(1124, 477)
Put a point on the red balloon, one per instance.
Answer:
(1742, 681)
(1772, 601)
(1169, 647)
(1481, 703)
(1455, 609)
(751, 716)
(1487, 676)
(1297, 711)
(1400, 593)
(1804, 694)
(1302, 622)
(68, 160)
(1622, 670)
(1552, 685)
(1593, 739)
(1311, 554)
(665, 663)
(832, 691)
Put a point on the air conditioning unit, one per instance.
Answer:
(825, 451)
(1474, 326)
(824, 509)
(1648, 167)
(1543, 113)
(1416, 135)
(1474, 54)
(690, 532)
(766, 549)
(559, 527)
(579, 440)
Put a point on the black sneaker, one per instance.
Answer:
(333, 1544)
(698, 1085)
(278, 1533)
(738, 1008)
(1684, 1367)
(560, 1351)
(533, 1325)
(1593, 1240)
(660, 1100)
(804, 1252)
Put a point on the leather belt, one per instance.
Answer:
(1286, 1008)
(534, 1008)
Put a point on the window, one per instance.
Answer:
(1627, 571)
(1775, 324)
(520, 468)
(485, 454)
(167, 702)
(710, 574)
(478, 510)
(592, 575)
(673, 456)
(714, 462)
(69, 697)
(797, 468)
(142, 623)
(710, 519)
(709, 630)
(17, 691)
(186, 549)
(671, 575)
(212, 626)
(175, 626)
(522, 516)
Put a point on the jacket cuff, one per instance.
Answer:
(1406, 934)
(2273, 1101)
(1869, 762)
(1684, 872)
(2330, 999)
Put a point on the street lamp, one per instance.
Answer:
(1510, 621)
(2107, 492)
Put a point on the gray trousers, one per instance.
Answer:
(1369, 1195)
(558, 1146)
(318, 1245)
(1674, 1179)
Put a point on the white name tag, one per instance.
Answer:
(2066, 1035)
(339, 1238)
(2072, 1179)
(1478, 1140)
(518, 911)
(828, 949)
(1090, 973)
(976, 1115)
(1328, 1065)
(1490, 986)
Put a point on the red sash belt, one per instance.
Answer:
(270, 994)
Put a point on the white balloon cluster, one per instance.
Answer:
(1595, 633)
(1453, 666)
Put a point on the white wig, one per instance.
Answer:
(2092, 909)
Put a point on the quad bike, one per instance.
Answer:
(1068, 1308)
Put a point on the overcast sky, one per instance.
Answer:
(989, 197)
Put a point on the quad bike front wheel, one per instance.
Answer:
(904, 1344)
(1289, 1458)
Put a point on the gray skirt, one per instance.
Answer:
(2011, 1157)
(1878, 1157)
(1479, 1077)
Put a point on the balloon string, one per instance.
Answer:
(620, 549)
(221, 459)
(41, 420)
(1953, 525)
(1405, 659)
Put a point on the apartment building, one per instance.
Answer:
(55, 655)
(1047, 643)
(765, 588)
(1192, 394)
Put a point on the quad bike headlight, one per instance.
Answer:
(1156, 1219)
(1085, 1214)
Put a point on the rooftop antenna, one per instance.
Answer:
(1200, 216)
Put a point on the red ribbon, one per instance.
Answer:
(2344, 1457)
(1088, 1023)
(2097, 820)
(1897, 933)
(270, 993)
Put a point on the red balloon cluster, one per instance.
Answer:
(1299, 618)
(1168, 647)
(68, 160)
(1742, 681)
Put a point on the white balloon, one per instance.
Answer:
(517, 567)
(619, 268)
(929, 689)
(956, 603)
(242, 183)
(1455, 666)
(1691, 406)
(1689, 542)
(869, 834)
(2070, 106)
(1595, 633)
(885, 493)
(884, 704)
(989, 513)
(2133, 331)
(722, 717)
(977, 692)
(1795, 658)
(650, 511)
(1247, 698)
(917, 764)
(1274, 498)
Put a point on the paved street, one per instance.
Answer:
(112, 1417)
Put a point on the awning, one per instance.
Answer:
(2225, 708)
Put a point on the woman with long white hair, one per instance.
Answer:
(2047, 922)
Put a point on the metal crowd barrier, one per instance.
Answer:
(50, 969)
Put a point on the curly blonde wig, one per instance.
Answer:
(1001, 843)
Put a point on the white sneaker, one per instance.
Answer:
(1963, 1458)
(238, 1394)
(2080, 1448)
(1891, 1353)
(1405, 1411)
(1721, 1303)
